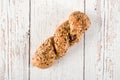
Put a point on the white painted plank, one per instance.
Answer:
(94, 40)
(112, 40)
(3, 40)
(18, 30)
(45, 17)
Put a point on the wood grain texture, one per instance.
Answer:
(25, 24)
(112, 39)
(3, 40)
(14, 39)
(18, 32)
(94, 40)
(45, 17)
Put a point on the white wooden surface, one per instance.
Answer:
(25, 24)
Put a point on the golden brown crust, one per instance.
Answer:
(45, 55)
(67, 34)
(79, 23)
(61, 39)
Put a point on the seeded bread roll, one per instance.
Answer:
(66, 35)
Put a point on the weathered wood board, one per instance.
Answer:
(25, 24)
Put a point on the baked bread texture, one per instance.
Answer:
(66, 35)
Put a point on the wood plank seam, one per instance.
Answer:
(29, 38)
(104, 42)
(84, 45)
(8, 39)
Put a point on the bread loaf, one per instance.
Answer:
(66, 35)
